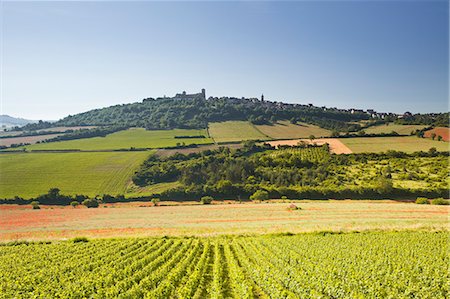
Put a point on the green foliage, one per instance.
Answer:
(440, 201)
(260, 195)
(422, 201)
(155, 201)
(206, 200)
(91, 203)
(74, 203)
(284, 266)
(35, 205)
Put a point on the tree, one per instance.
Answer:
(312, 137)
(155, 201)
(90, 203)
(439, 138)
(260, 195)
(206, 200)
(433, 136)
(74, 203)
(384, 185)
(35, 205)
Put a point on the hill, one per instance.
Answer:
(7, 121)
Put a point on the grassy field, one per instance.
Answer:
(400, 129)
(140, 219)
(31, 174)
(406, 144)
(138, 138)
(230, 131)
(364, 265)
(286, 130)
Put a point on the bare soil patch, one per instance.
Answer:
(439, 131)
(26, 139)
(336, 146)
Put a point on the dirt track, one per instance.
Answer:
(336, 146)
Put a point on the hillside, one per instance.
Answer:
(196, 113)
(7, 121)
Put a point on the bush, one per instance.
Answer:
(80, 240)
(440, 201)
(284, 197)
(206, 200)
(90, 203)
(260, 195)
(293, 207)
(35, 205)
(74, 203)
(155, 201)
(422, 201)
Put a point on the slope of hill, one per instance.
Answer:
(7, 121)
(167, 113)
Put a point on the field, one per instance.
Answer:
(363, 265)
(336, 146)
(26, 139)
(286, 130)
(230, 131)
(141, 219)
(406, 144)
(400, 129)
(439, 131)
(31, 174)
(137, 138)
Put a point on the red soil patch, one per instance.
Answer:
(439, 131)
(336, 146)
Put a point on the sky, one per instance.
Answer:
(61, 58)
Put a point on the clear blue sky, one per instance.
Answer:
(63, 58)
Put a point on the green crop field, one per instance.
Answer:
(400, 129)
(286, 130)
(364, 265)
(230, 131)
(406, 144)
(31, 174)
(137, 138)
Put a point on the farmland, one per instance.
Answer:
(390, 127)
(302, 266)
(286, 130)
(231, 131)
(439, 131)
(137, 138)
(31, 174)
(171, 219)
(336, 145)
(406, 144)
(26, 139)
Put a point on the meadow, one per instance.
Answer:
(286, 130)
(90, 173)
(135, 137)
(363, 265)
(231, 131)
(389, 127)
(141, 219)
(407, 144)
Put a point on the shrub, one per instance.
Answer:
(155, 201)
(90, 203)
(260, 195)
(80, 240)
(35, 205)
(293, 207)
(422, 201)
(74, 203)
(284, 197)
(206, 200)
(440, 201)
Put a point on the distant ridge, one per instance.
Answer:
(7, 121)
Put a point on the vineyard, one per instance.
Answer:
(357, 265)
